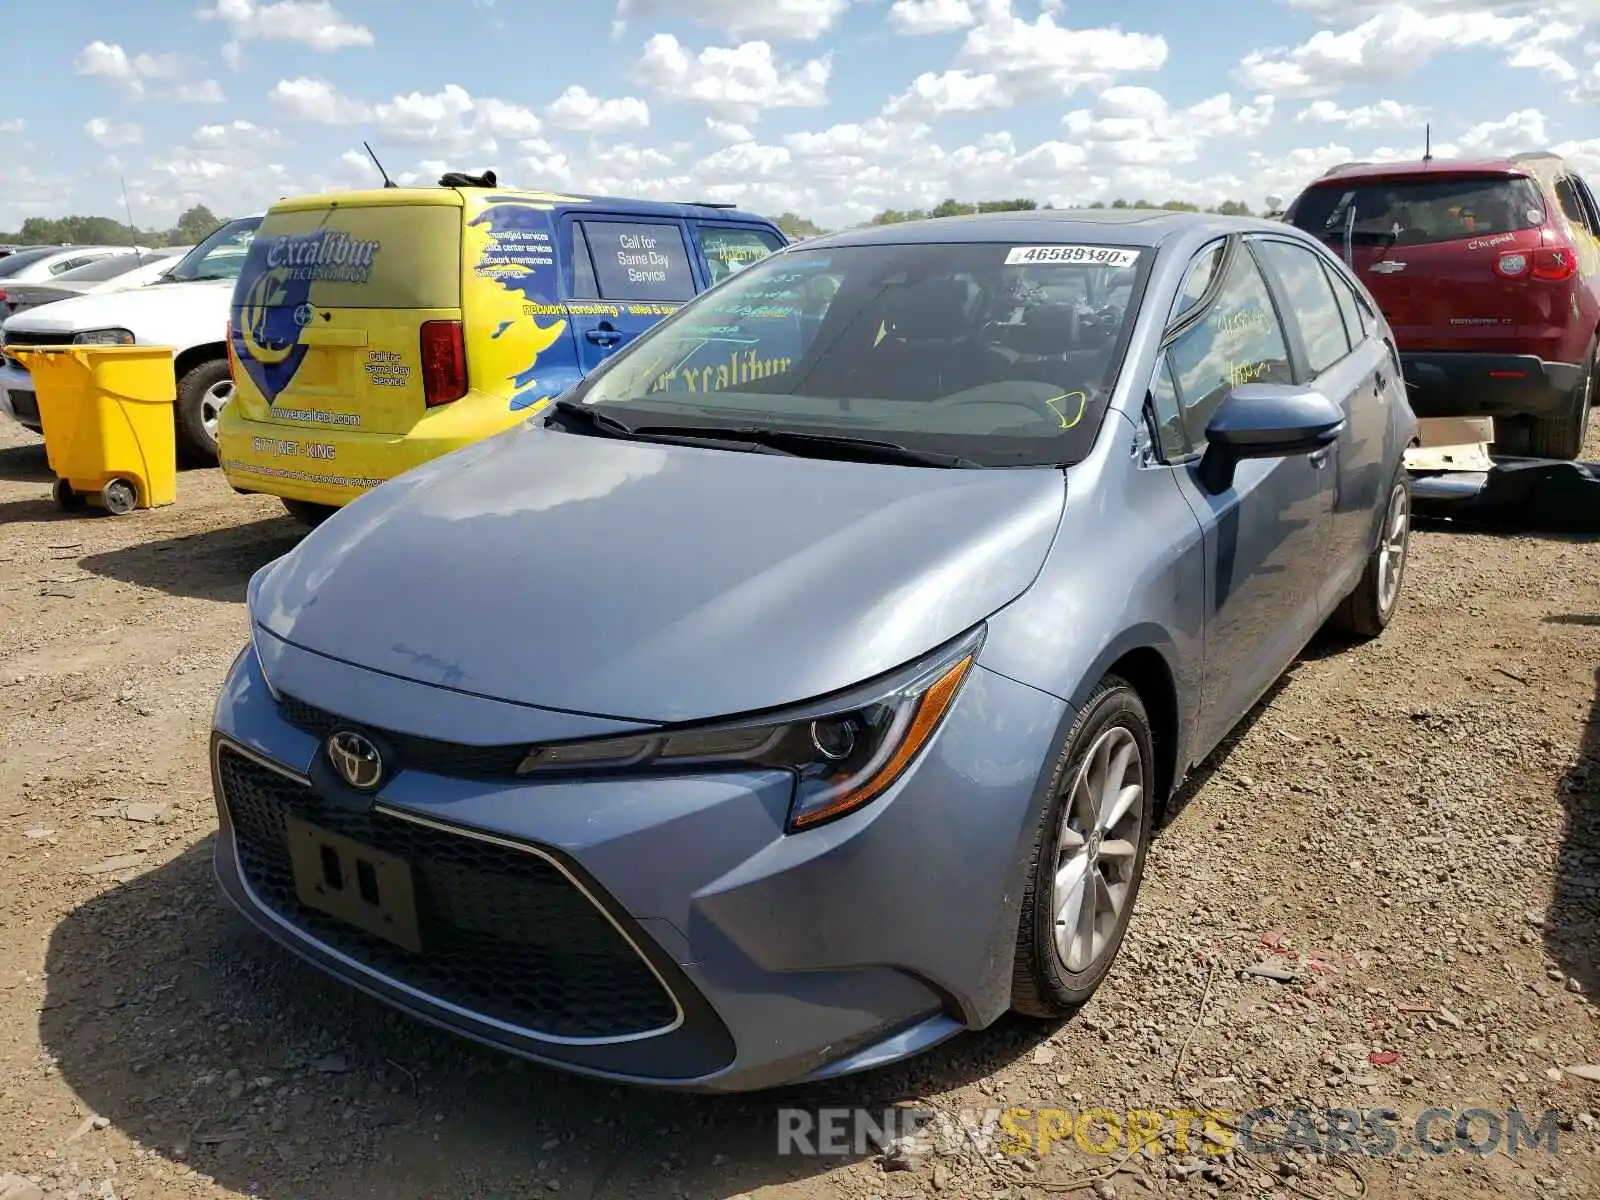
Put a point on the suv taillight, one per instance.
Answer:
(444, 362)
(1554, 263)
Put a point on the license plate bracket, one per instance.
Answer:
(354, 883)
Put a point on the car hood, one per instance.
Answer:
(658, 583)
(105, 310)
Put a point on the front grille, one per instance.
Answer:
(23, 337)
(503, 932)
(416, 753)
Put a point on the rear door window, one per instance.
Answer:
(640, 260)
(1349, 306)
(1314, 307)
(730, 248)
(1411, 212)
(1237, 341)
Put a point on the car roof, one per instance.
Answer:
(1096, 226)
(563, 201)
(1443, 168)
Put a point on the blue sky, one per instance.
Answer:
(830, 108)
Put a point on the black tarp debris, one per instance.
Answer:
(1526, 494)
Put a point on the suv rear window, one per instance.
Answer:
(1412, 212)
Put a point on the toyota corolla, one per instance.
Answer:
(804, 687)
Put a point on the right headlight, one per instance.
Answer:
(103, 337)
(844, 753)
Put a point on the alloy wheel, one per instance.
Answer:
(1097, 849)
(212, 403)
(1392, 548)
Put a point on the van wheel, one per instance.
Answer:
(1088, 855)
(308, 514)
(1562, 437)
(203, 392)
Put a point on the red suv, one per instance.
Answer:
(1489, 274)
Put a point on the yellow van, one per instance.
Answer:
(372, 331)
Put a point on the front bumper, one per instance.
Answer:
(17, 397)
(1462, 384)
(716, 952)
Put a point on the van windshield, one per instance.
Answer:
(1002, 355)
(1406, 212)
(220, 256)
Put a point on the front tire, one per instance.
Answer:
(1088, 855)
(203, 392)
(1367, 611)
(308, 514)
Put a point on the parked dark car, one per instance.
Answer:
(1489, 274)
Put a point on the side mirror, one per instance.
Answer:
(1266, 420)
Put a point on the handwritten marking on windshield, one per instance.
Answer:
(1083, 402)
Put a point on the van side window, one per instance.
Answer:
(1239, 340)
(728, 248)
(639, 261)
(584, 286)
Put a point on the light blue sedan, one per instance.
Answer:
(804, 687)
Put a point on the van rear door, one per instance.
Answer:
(627, 273)
(1428, 247)
(344, 310)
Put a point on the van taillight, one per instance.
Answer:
(1554, 263)
(444, 362)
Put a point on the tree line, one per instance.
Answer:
(192, 227)
(797, 226)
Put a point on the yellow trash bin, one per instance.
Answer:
(108, 423)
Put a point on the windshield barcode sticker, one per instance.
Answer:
(1095, 256)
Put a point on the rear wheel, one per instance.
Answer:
(203, 392)
(1562, 437)
(308, 514)
(1366, 612)
(1088, 855)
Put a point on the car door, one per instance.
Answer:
(1264, 534)
(627, 273)
(1352, 370)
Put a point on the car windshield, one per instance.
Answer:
(1003, 355)
(12, 264)
(220, 256)
(105, 268)
(1416, 211)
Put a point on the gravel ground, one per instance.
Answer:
(1383, 894)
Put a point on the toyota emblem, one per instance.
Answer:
(356, 759)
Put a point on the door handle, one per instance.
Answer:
(603, 336)
(1382, 381)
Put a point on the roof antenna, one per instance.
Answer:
(387, 182)
(1427, 143)
(133, 229)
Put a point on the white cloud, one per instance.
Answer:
(577, 110)
(1040, 59)
(737, 81)
(207, 91)
(917, 17)
(313, 23)
(109, 61)
(729, 131)
(109, 133)
(802, 19)
(318, 100)
(505, 119)
(14, 125)
(1387, 46)
(1135, 125)
(235, 133)
(233, 56)
(1385, 114)
(933, 95)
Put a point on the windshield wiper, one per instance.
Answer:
(609, 426)
(794, 441)
(592, 417)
